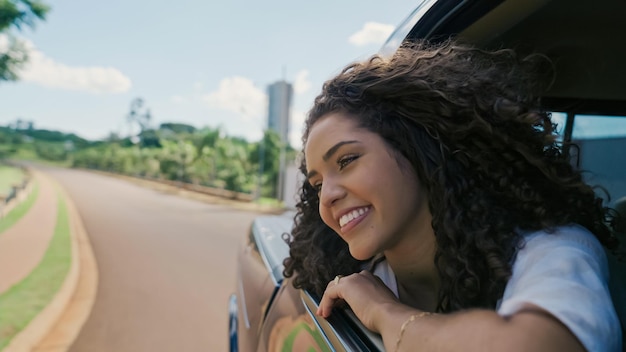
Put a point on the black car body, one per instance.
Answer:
(585, 40)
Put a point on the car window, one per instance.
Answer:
(342, 329)
(591, 126)
(403, 29)
(559, 119)
(601, 152)
(599, 127)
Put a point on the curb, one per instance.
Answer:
(58, 324)
(191, 194)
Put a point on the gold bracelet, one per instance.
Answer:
(407, 322)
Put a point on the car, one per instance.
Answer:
(588, 101)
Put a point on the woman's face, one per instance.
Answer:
(368, 194)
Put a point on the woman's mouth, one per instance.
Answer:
(352, 217)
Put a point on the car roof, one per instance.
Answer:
(584, 39)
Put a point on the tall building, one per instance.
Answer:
(279, 108)
(278, 117)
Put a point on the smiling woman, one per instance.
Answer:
(379, 192)
(436, 184)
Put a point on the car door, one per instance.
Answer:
(292, 325)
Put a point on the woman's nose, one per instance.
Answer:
(331, 192)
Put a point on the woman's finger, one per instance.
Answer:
(332, 296)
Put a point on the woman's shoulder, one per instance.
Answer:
(564, 271)
(572, 237)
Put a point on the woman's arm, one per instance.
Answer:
(531, 329)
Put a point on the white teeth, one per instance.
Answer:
(346, 218)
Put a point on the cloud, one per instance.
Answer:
(239, 95)
(302, 83)
(45, 71)
(178, 99)
(4, 43)
(371, 33)
(297, 125)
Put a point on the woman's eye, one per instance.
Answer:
(317, 187)
(346, 160)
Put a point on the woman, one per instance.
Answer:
(437, 172)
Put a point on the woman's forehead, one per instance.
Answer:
(330, 129)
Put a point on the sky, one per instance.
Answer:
(199, 62)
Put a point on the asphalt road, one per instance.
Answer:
(166, 266)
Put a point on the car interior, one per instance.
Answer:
(580, 37)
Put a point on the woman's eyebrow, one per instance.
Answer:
(332, 150)
(329, 153)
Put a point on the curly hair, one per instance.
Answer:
(470, 124)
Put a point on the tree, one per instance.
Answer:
(266, 155)
(142, 119)
(16, 14)
(177, 128)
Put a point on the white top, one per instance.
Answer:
(564, 273)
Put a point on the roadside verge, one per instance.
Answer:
(58, 324)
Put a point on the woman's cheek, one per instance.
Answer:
(327, 218)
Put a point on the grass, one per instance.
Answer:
(9, 176)
(22, 302)
(269, 201)
(24, 154)
(20, 209)
(28, 155)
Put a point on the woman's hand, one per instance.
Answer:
(364, 292)
(467, 330)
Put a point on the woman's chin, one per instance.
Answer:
(361, 253)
